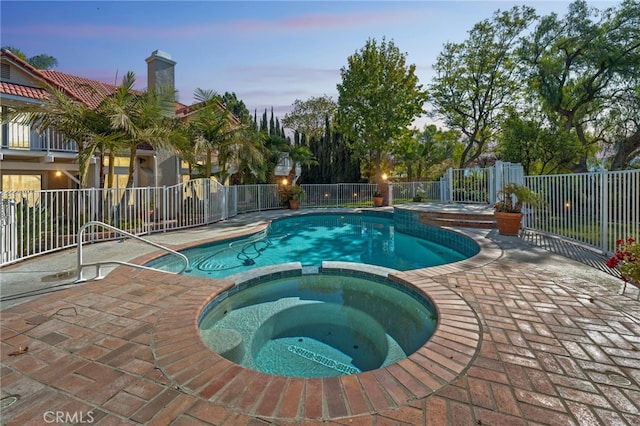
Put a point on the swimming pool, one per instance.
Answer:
(318, 325)
(313, 238)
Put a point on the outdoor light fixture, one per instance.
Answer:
(385, 177)
(58, 173)
(285, 181)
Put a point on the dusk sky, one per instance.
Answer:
(269, 53)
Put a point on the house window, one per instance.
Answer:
(15, 134)
(5, 72)
(21, 182)
(117, 161)
(19, 135)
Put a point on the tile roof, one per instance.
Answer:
(185, 110)
(89, 92)
(22, 91)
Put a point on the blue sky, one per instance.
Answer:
(269, 53)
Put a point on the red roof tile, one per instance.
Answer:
(23, 91)
(89, 92)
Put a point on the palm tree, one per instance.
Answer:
(214, 129)
(73, 119)
(249, 154)
(275, 147)
(137, 118)
(120, 122)
(300, 155)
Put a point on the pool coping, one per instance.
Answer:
(194, 368)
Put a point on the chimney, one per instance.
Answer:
(160, 71)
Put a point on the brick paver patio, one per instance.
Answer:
(520, 346)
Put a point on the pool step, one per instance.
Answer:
(466, 220)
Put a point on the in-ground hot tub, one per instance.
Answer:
(317, 325)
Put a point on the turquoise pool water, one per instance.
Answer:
(314, 238)
(318, 325)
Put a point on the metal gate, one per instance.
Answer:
(478, 184)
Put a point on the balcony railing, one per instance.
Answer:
(18, 136)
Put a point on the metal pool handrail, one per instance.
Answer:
(98, 265)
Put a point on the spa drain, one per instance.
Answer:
(323, 360)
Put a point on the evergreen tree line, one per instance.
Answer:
(336, 162)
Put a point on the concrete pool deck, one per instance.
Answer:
(536, 338)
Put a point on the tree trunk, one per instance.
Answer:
(626, 150)
(112, 169)
(132, 166)
(208, 164)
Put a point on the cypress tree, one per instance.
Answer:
(272, 127)
(325, 151)
(310, 173)
(264, 127)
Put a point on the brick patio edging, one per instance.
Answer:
(194, 368)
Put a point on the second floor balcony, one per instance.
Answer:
(22, 137)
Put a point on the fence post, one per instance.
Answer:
(8, 231)
(165, 208)
(259, 191)
(493, 187)
(206, 194)
(450, 184)
(604, 211)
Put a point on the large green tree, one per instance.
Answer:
(236, 107)
(41, 61)
(379, 97)
(308, 117)
(475, 79)
(540, 146)
(336, 161)
(585, 69)
(418, 151)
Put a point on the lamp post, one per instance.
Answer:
(387, 190)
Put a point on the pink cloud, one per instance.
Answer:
(111, 31)
(292, 24)
(283, 73)
(322, 22)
